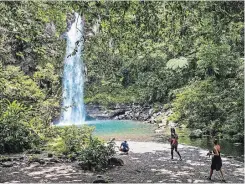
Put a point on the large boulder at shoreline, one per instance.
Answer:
(196, 133)
(115, 161)
(100, 179)
(7, 164)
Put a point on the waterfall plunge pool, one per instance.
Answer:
(142, 132)
(122, 130)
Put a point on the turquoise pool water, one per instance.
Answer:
(122, 129)
(140, 131)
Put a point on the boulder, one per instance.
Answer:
(159, 131)
(121, 117)
(115, 161)
(34, 151)
(158, 120)
(7, 164)
(100, 179)
(54, 160)
(151, 121)
(168, 112)
(117, 113)
(34, 164)
(84, 165)
(172, 124)
(116, 118)
(159, 113)
(145, 116)
(50, 155)
(161, 125)
(136, 114)
(196, 133)
(5, 159)
(164, 121)
(35, 159)
(151, 111)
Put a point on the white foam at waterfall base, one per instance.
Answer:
(73, 109)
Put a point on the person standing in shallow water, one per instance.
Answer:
(216, 160)
(174, 143)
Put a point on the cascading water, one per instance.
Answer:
(73, 77)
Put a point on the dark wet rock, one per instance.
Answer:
(34, 164)
(35, 159)
(115, 161)
(196, 133)
(137, 170)
(151, 121)
(5, 159)
(7, 164)
(133, 112)
(34, 151)
(54, 160)
(84, 165)
(63, 157)
(100, 179)
(116, 118)
(18, 158)
(151, 111)
(117, 113)
(50, 155)
(121, 117)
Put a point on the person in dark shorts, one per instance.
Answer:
(174, 143)
(216, 160)
(124, 147)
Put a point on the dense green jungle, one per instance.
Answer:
(189, 55)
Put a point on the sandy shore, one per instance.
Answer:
(147, 162)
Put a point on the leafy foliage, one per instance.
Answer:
(70, 139)
(96, 154)
(177, 63)
(213, 106)
(78, 142)
(16, 134)
(135, 51)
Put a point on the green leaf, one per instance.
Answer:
(174, 64)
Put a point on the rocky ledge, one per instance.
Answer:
(136, 112)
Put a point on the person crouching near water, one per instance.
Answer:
(174, 143)
(216, 160)
(124, 147)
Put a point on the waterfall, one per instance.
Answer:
(73, 109)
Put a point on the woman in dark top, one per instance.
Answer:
(216, 160)
(174, 143)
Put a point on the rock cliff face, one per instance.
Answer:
(130, 112)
